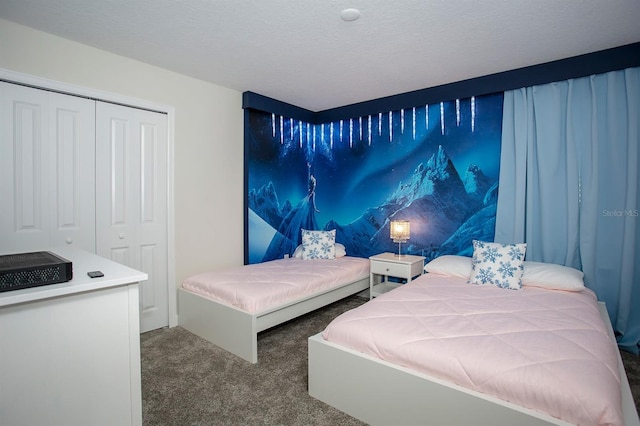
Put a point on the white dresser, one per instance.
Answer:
(70, 352)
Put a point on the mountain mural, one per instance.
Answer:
(264, 202)
(446, 211)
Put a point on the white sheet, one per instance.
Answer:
(547, 350)
(256, 287)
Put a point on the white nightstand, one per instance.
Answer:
(387, 265)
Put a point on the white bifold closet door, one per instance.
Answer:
(47, 170)
(131, 200)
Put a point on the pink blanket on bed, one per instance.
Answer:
(547, 350)
(257, 287)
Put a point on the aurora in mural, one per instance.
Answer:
(435, 165)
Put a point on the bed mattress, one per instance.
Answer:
(258, 287)
(546, 350)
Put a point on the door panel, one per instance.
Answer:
(24, 168)
(73, 171)
(131, 213)
(47, 170)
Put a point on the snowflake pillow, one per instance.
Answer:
(318, 244)
(498, 264)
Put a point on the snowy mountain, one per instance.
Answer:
(476, 183)
(439, 205)
(264, 202)
(480, 226)
(445, 211)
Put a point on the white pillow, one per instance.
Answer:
(341, 251)
(498, 264)
(318, 244)
(552, 276)
(450, 265)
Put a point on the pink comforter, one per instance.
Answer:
(542, 349)
(256, 287)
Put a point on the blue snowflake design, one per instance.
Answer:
(326, 247)
(491, 254)
(485, 276)
(515, 253)
(314, 238)
(506, 269)
(479, 244)
(503, 284)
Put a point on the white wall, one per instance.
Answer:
(208, 136)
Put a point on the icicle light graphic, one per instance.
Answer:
(473, 113)
(273, 125)
(281, 130)
(331, 135)
(300, 132)
(350, 133)
(310, 134)
(414, 123)
(426, 116)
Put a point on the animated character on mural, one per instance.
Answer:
(311, 195)
(303, 216)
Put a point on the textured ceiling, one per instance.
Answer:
(303, 53)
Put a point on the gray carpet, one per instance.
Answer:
(189, 381)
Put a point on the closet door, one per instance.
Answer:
(131, 200)
(47, 170)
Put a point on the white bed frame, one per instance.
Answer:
(380, 393)
(236, 330)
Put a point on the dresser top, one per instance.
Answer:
(82, 261)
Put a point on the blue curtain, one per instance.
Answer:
(569, 185)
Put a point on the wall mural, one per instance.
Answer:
(435, 165)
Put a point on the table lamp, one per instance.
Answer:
(399, 233)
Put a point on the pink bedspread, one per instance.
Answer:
(257, 287)
(547, 350)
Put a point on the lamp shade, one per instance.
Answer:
(400, 230)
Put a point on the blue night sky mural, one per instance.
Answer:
(439, 170)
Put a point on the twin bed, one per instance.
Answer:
(445, 352)
(435, 351)
(229, 308)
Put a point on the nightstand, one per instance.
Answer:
(387, 265)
